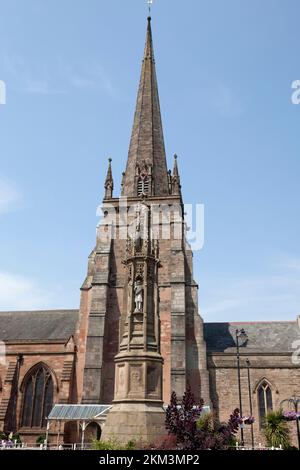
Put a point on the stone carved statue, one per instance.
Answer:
(138, 296)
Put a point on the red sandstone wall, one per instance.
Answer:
(58, 358)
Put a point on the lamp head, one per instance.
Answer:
(241, 333)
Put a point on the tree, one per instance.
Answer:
(196, 432)
(276, 430)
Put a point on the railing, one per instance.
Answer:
(4, 445)
(259, 447)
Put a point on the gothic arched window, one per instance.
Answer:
(265, 402)
(37, 397)
(143, 185)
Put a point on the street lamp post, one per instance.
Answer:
(240, 334)
(295, 401)
(250, 400)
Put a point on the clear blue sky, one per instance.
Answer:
(225, 70)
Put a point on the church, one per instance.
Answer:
(137, 331)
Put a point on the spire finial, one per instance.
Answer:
(176, 187)
(175, 168)
(109, 182)
(150, 3)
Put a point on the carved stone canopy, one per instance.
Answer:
(143, 169)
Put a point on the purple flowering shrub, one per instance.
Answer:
(249, 420)
(194, 432)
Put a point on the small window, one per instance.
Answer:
(146, 186)
(140, 187)
(265, 402)
(143, 186)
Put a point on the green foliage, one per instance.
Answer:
(15, 437)
(40, 439)
(276, 430)
(232, 442)
(131, 445)
(112, 444)
(206, 422)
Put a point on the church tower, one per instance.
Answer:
(140, 335)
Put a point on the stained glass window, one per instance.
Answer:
(37, 397)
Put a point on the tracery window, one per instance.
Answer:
(265, 402)
(37, 397)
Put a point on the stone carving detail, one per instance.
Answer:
(144, 169)
(121, 377)
(140, 269)
(129, 246)
(121, 384)
(136, 380)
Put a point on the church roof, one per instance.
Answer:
(34, 326)
(147, 140)
(262, 336)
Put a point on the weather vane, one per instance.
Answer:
(150, 3)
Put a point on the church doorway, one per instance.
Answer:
(70, 432)
(93, 432)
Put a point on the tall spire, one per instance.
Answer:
(146, 170)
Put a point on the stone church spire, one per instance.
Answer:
(146, 171)
(142, 336)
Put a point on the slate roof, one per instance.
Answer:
(48, 325)
(262, 336)
(60, 325)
